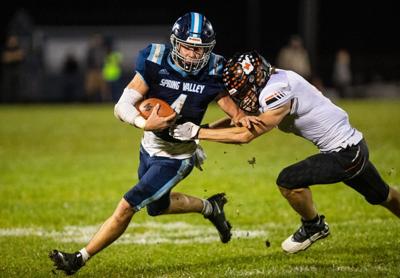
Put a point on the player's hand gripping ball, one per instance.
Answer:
(146, 106)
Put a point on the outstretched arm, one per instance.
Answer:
(269, 120)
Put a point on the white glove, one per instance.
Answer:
(199, 157)
(185, 132)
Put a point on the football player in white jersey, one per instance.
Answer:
(284, 99)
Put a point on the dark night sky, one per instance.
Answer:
(368, 30)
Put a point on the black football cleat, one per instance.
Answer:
(217, 217)
(67, 262)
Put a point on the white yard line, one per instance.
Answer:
(144, 233)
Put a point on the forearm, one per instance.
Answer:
(125, 109)
(236, 135)
(225, 135)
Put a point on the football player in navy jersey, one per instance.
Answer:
(188, 76)
(284, 99)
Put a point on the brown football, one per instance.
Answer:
(146, 106)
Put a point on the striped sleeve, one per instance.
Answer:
(156, 53)
(272, 98)
(153, 53)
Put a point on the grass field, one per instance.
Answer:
(63, 168)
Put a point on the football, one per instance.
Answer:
(146, 106)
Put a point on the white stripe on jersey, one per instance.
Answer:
(156, 53)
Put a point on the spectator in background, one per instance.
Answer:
(342, 76)
(112, 71)
(95, 85)
(71, 78)
(295, 57)
(12, 59)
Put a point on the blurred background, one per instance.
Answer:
(84, 51)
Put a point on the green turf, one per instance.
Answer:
(63, 167)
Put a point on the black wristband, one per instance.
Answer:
(205, 126)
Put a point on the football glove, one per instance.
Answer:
(185, 132)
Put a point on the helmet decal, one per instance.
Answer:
(246, 65)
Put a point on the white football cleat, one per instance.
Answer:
(306, 235)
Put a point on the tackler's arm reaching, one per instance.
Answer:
(268, 120)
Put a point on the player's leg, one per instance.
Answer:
(167, 173)
(300, 199)
(212, 209)
(183, 203)
(294, 182)
(321, 169)
(370, 184)
(392, 202)
(155, 187)
(111, 229)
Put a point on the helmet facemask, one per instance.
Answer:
(186, 63)
(247, 100)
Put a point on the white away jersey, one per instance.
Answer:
(312, 116)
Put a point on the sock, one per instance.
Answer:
(85, 254)
(312, 221)
(207, 209)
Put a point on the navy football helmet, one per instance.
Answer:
(244, 76)
(195, 32)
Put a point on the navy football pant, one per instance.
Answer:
(157, 176)
(350, 165)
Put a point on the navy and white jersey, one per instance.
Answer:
(312, 116)
(168, 82)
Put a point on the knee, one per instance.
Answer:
(285, 181)
(123, 212)
(379, 198)
(152, 211)
(375, 201)
(289, 192)
(157, 208)
(284, 191)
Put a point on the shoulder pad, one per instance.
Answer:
(156, 53)
(153, 52)
(276, 92)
